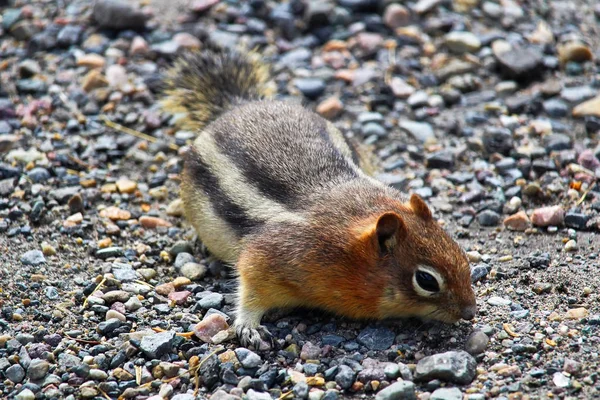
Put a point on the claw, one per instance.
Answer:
(256, 338)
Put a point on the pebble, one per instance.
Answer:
(376, 338)
(488, 218)
(330, 107)
(577, 313)
(310, 87)
(33, 257)
(210, 326)
(154, 222)
(453, 366)
(15, 373)
(154, 346)
(499, 301)
(462, 42)
(211, 300)
(548, 216)
(402, 390)
(114, 14)
(25, 394)
(248, 358)
(518, 222)
(396, 15)
(193, 271)
(38, 369)
(476, 343)
(345, 377)
(446, 394)
(518, 62)
(421, 131)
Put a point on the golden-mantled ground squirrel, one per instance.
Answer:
(275, 189)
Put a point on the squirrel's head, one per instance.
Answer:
(426, 273)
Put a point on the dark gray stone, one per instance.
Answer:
(453, 366)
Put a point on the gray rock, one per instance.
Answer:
(497, 140)
(499, 301)
(181, 246)
(310, 87)
(577, 94)
(247, 358)
(254, 395)
(373, 129)
(300, 390)
(345, 377)
(107, 327)
(211, 300)
(38, 369)
(556, 108)
(183, 258)
(421, 131)
(520, 62)
(26, 394)
(441, 159)
(184, 396)
(557, 142)
(15, 373)
(453, 366)
(109, 252)
(33, 257)
(119, 15)
(376, 338)
(124, 272)
(403, 390)
(154, 346)
(69, 36)
(446, 394)
(193, 271)
(462, 42)
(63, 195)
(476, 343)
(488, 218)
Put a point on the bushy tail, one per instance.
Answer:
(204, 84)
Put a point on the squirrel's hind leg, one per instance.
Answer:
(248, 328)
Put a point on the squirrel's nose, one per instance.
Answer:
(468, 312)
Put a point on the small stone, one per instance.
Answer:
(476, 343)
(518, 62)
(376, 338)
(421, 131)
(15, 373)
(310, 351)
(33, 257)
(574, 51)
(402, 390)
(165, 289)
(133, 304)
(153, 222)
(560, 380)
(210, 326)
(395, 16)
(193, 271)
(154, 346)
(91, 61)
(114, 296)
(116, 75)
(118, 15)
(211, 300)
(38, 369)
(588, 108)
(548, 216)
(187, 41)
(488, 218)
(25, 394)
(180, 297)
(330, 107)
(310, 87)
(453, 366)
(577, 313)
(518, 222)
(499, 301)
(571, 246)
(248, 358)
(110, 314)
(462, 42)
(446, 394)
(126, 185)
(115, 214)
(345, 377)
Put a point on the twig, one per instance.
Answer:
(187, 335)
(133, 132)
(97, 287)
(103, 392)
(83, 340)
(144, 283)
(581, 200)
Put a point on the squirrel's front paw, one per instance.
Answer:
(259, 338)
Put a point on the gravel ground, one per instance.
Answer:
(481, 107)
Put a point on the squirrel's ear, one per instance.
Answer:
(419, 207)
(389, 226)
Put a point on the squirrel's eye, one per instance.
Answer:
(427, 281)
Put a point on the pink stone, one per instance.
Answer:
(139, 46)
(548, 216)
(187, 41)
(180, 297)
(210, 326)
(396, 15)
(200, 6)
(119, 307)
(588, 160)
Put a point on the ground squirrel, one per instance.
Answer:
(274, 189)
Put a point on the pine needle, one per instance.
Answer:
(133, 132)
(96, 289)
